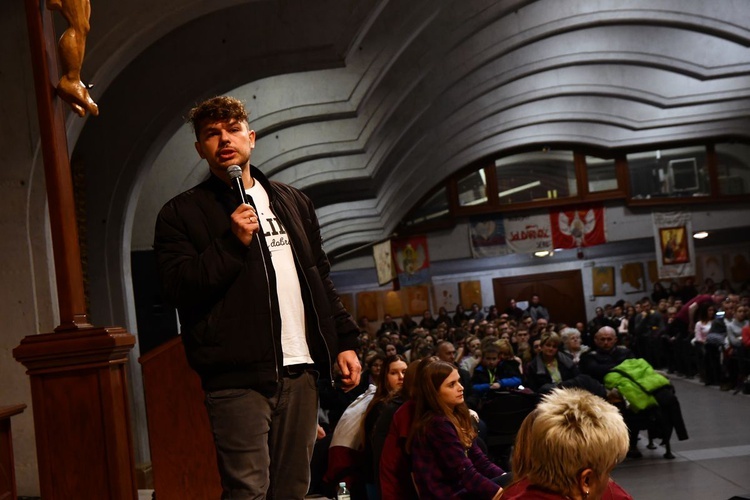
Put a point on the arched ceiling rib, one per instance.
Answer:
(367, 105)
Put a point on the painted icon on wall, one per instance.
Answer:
(603, 281)
(674, 245)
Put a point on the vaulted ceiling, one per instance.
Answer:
(367, 104)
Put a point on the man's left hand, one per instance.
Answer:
(350, 369)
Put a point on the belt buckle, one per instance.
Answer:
(294, 371)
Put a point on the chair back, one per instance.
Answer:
(504, 414)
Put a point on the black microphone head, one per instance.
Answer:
(234, 171)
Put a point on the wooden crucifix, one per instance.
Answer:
(79, 385)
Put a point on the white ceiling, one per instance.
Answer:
(368, 104)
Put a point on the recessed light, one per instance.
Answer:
(700, 235)
(543, 253)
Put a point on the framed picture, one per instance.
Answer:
(347, 299)
(367, 305)
(417, 299)
(445, 295)
(393, 303)
(674, 245)
(603, 279)
(470, 292)
(632, 278)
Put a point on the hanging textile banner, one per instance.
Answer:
(675, 252)
(581, 226)
(412, 260)
(487, 236)
(529, 234)
(381, 252)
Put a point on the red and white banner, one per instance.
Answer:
(412, 260)
(528, 234)
(581, 226)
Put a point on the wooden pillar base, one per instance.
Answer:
(81, 412)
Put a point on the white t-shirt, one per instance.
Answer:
(291, 307)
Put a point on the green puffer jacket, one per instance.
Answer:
(636, 380)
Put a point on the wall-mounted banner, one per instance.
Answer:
(381, 252)
(529, 234)
(412, 260)
(487, 236)
(675, 252)
(581, 226)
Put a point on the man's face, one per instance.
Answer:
(541, 323)
(446, 352)
(528, 321)
(225, 143)
(535, 299)
(605, 340)
(618, 311)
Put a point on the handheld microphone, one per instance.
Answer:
(235, 175)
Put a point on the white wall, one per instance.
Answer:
(630, 235)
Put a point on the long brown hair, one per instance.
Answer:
(428, 405)
(382, 391)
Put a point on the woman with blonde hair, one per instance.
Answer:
(566, 449)
(446, 460)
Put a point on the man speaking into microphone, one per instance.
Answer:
(259, 316)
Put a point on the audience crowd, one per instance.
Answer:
(422, 426)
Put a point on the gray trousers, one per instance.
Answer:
(264, 445)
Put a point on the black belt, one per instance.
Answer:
(294, 371)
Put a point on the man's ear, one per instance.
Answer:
(199, 149)
(251, 136)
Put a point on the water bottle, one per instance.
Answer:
(343, 493)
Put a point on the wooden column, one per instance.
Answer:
(8, 489)
(78, 380)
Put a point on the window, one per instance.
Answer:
(669, 173)
(601, 173)
(535, 176)
(733, 165)
(435, 208)
(472, 189)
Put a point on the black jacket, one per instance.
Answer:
(230, 322)
(597, 363)
(538, 375)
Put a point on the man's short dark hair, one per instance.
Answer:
(216, 109)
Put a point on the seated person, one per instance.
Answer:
(499, 368)
(566, 449)
(571, 340)
(391, 432)
(390, 381)
(388, 325)
(551, 366)
(447, 462)
(522, 347)
(606, 354)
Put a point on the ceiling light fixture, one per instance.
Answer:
(700, 235)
